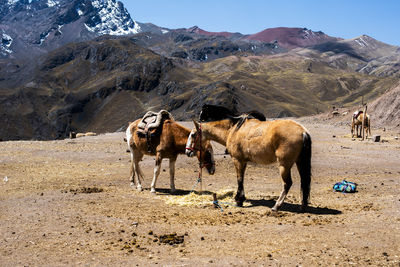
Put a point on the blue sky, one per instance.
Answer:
(379, 19)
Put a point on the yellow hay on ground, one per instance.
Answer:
(200, 199)
(85, 134)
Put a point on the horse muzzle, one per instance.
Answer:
(189, 152)
(211, 169)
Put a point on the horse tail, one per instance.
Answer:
(304, 167)
(352, 125)
(369, 125)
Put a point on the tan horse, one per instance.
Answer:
(167, 143)
(356, 123)
(256, 140)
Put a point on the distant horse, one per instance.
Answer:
(169, 141)
(356, 122)
(249, 138)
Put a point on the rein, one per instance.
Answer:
(201, 164)
(193, 147)
(199, 179)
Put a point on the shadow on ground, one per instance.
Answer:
(292, 207)
(295, 208)
(180, 192)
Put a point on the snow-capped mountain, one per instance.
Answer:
(30, 27)
(112, 19)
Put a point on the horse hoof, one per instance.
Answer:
(133, 185)
(139, 188)
(153, 191)
(172, 191)
(239, 204)
(274, 209)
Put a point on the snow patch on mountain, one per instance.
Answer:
(12, 2)
(80, 12)
(5, 44)
(44, 37)
(51, 3)
(113, 19)
(361, 42)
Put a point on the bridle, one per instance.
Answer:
(193, 148)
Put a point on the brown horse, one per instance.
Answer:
(168, 142)
(249, 138)
(356, 122)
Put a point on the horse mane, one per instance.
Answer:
(215, 113)
(254, 114)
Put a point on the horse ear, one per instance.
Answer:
(196, 124)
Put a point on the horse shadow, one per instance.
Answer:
(289, 207)
(294, 208)
(181, 192)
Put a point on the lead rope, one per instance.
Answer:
(199, 178)
(201, 161)
(197, 182)
(218, 204)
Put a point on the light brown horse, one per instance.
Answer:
(256, 140)
(356, 123)
(168, 142)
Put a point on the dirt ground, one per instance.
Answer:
(69, 202)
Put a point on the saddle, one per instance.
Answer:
(150, 124)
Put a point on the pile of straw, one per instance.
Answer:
(200, 199)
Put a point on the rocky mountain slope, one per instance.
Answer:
(102, 84)
(385, 110)
(363, 54)
(34, 27)
(197, 47)
(93, 85)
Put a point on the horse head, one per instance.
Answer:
(202, 148)
(206, 157)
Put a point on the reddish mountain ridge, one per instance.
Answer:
(288, 38)
(291, 37)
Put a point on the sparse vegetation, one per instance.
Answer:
(82, 85)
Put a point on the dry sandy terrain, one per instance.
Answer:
(69, 202)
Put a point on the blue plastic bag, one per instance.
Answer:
(345, 187)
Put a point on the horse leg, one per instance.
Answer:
(137, 158)
(368, 127)
(287, 183)
(240, 169)
(172, 162)
(304, 167)
(157, 169)
(132, 169)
